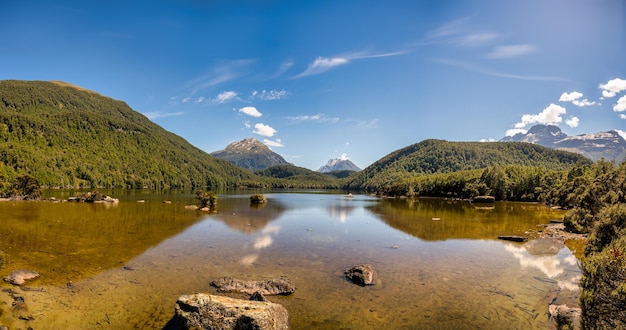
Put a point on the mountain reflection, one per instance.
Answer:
(438, 219)
(238, 214)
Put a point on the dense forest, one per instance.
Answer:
(68, 137)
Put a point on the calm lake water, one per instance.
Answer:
(123, 266)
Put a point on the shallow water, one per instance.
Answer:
(124, 266)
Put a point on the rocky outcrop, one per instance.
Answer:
(278, 286)
(204, 311)
(20, 276)
(362, 274)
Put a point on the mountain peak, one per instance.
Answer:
(247, 145)
(339, 164)
(608, 145)
(250, 154)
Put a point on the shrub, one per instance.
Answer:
(207, 198)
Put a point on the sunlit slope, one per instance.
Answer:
(439, 156)
(67, 136)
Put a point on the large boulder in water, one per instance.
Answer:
(362, 274)
(205, 311)
(282, 286)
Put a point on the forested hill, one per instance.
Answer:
(66, 136)
(439, 156)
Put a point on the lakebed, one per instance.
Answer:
(439, 262)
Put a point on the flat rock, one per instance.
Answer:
(277, 286)
(205, 311)
(20, 276)
(514, 238)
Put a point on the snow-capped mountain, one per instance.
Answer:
(339, 164)
(608, 145)
(250, 154)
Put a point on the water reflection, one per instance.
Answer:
(432, 281)
(460, 219)
(247, 218)
(550, 257)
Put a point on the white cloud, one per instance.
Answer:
(622, 116)
(612, 87)
(263, 130)
(510, 51)
(251, 111)
(513, 131)
(622, 133)
(323, 64)
(574, 97)
(273, 143)
(620, 105)
(549, 115)
(343, 156)
(200, 99)
(270, 95)
(572, 122)
(226, 96)
(246, 124)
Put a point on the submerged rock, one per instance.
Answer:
(362, 274)
(204, 311)
(20, 276)
(565, 316)
(282, 286)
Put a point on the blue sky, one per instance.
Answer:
(316, 80)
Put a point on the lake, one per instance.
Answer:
(439, 262)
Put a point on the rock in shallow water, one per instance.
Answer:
(205, 311)
(362, 274)
(282, 286)
(20, 276)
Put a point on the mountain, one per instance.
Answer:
(339, 164)
(290, 174)
(608, 145)
(440, 156)
(66, 136)
(250, 154)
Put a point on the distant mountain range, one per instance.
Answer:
(250, 154)
(608, 145)
(338, 164)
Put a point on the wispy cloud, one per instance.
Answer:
(156, 114)
(315, 118)
(458, 32)
(273, 143)
(512, 51)
(490, 72)
(323, 64)
(271, 95)
(224, 97)
(218, 74)
(264, 130)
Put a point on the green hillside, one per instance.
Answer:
(291, 176)
(439, 156)
(66, 136)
